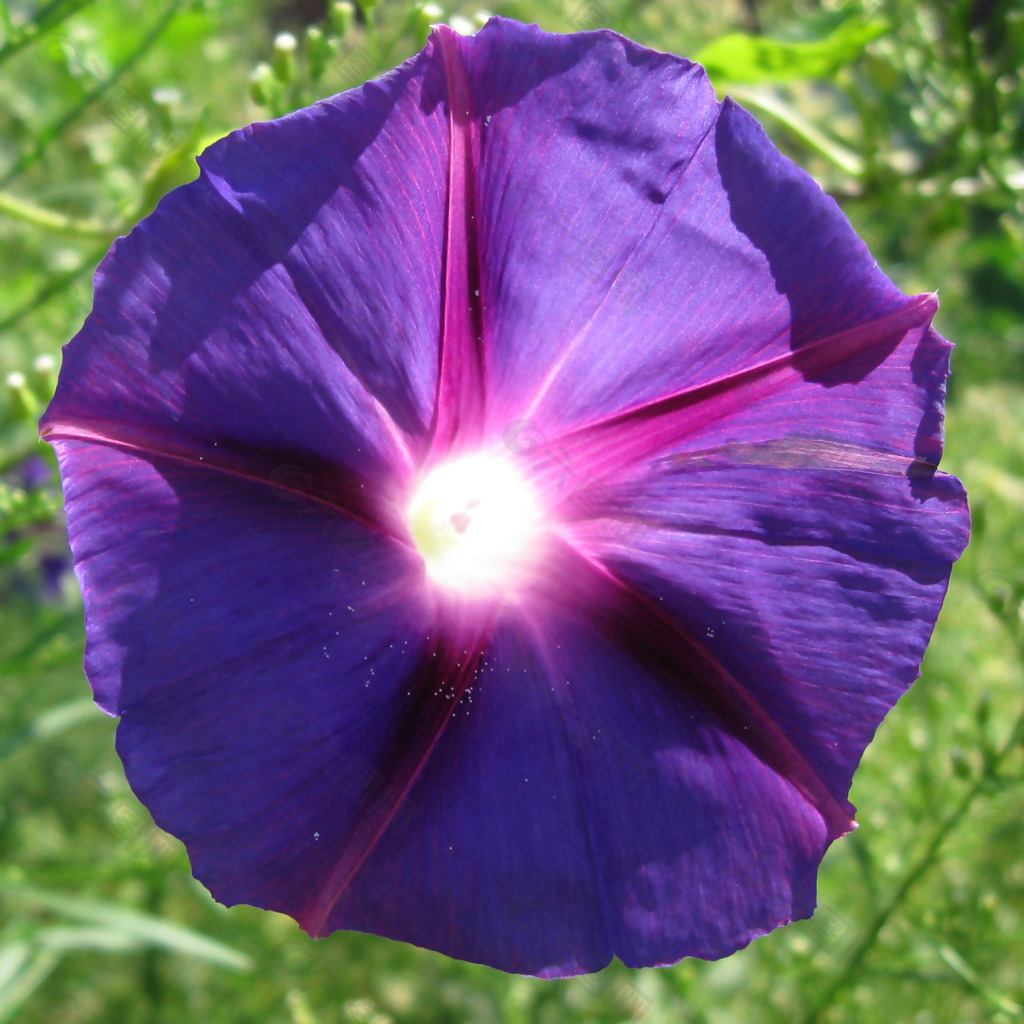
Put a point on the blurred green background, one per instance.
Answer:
(912, 115)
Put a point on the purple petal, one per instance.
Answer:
(287, 300)
(583, 137)
(817, 588)
(640, 243)
(586, 804)
(256, 646)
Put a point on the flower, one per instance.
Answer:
(33, 545)
(505, 501)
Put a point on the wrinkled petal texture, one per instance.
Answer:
(564, 245)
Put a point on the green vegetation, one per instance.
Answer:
(910, 112)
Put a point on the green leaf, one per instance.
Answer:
(22, 971)
(51, 723)
(131, 926)
(738, 57)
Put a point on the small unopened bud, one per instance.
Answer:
(426, 15)
(462, 25)
(24, 404)
(983, 710)
(961, 766)
(283, 58)
(262, 85)
(44, 375)
(341, 15)
(319, 51)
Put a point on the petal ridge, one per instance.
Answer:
(639, 433)
(456, 654)
(663, 646)
(337, 488)
(458, 412)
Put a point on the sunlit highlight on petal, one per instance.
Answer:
(476, 522)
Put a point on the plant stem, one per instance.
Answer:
(50, 220)
(18, 37)
(924, 862)
(48, 134)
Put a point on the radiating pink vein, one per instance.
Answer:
(458, 416)
(645, 431)
(444, 674)
(333, 487)
(638, 627)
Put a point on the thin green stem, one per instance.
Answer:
(970, 977)
(46, 18)
(54, 288)
(48, 134)
(927, 859)
(50, 220)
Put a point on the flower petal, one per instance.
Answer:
(287, 299)
(641, 242)
(257, 646)
(582, 138)
(583, 806)
(817, 588)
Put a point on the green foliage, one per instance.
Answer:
(745, 58)
(911, 112)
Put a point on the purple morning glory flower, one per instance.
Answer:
(505, 501)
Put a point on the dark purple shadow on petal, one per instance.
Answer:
(627, 141)
(445, 671)
(640, 629)
(298, 476)
(634, 435)
(780, 209)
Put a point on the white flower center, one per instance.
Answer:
(475, 522)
